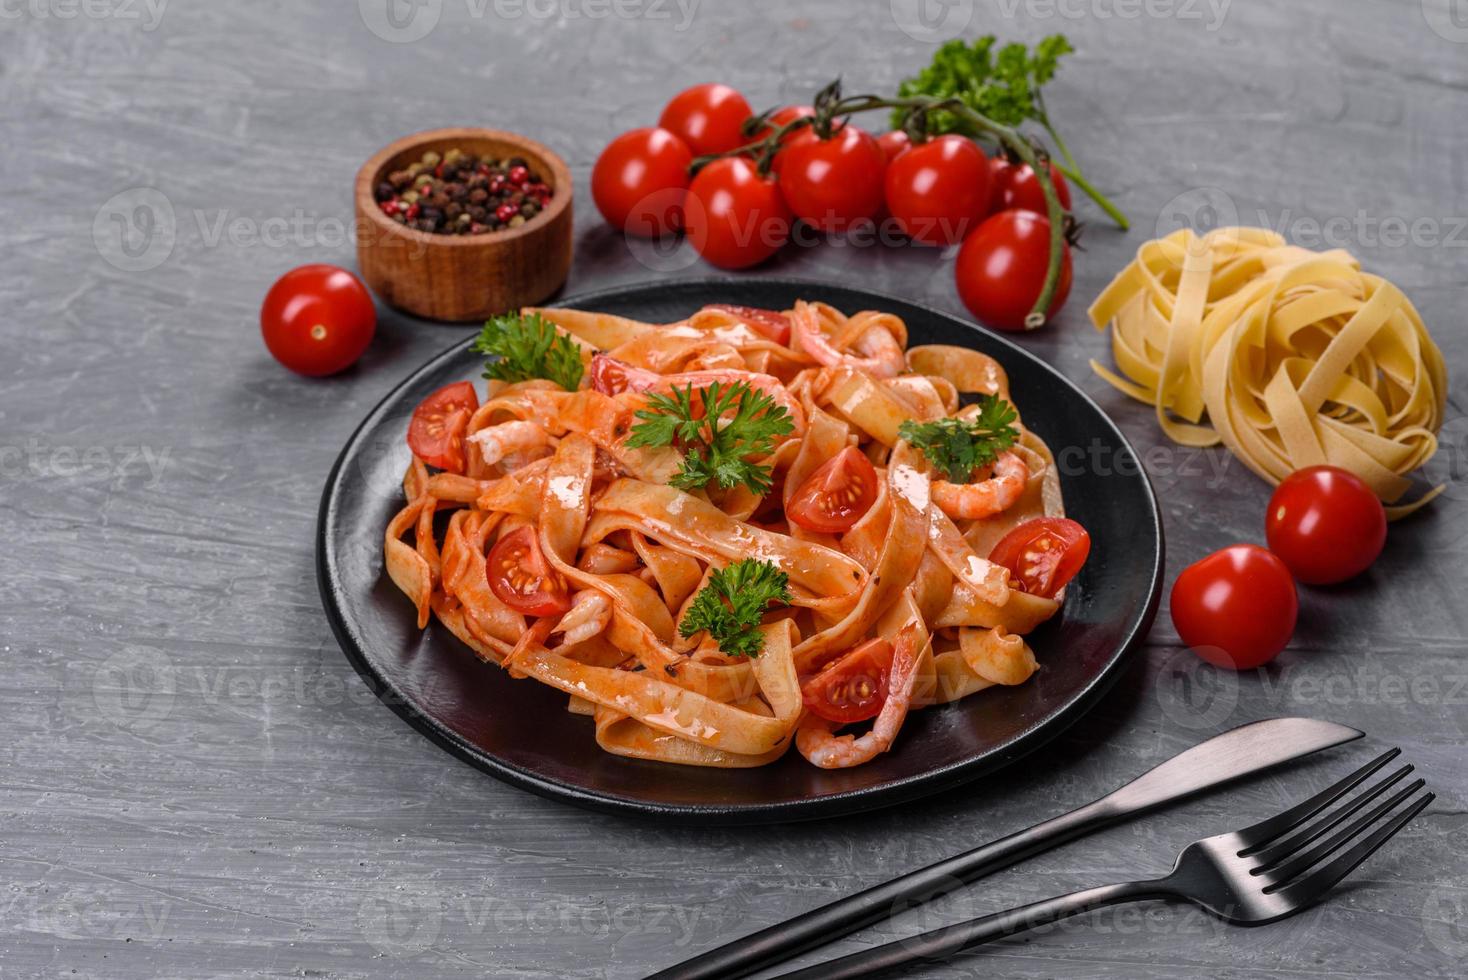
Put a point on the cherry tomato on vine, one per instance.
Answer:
(521, 578)
(735, 217)
(853, 688)
(836, 495)
(1001, 269)
(893, 142)
(781, 116)
(1043, 554)
(1326, 524)
(436, 432)
(317, 320)
(768, 323)
(707, 117)
(640, 180)
(834, 183)
(1237, 607)
(938, 191)
(1015, 188)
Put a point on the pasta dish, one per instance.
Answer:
(737, 533)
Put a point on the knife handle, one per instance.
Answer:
(845, 916)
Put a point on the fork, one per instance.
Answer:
(1259, 874)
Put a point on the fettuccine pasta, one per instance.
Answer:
(1297, 358)
(629, 551)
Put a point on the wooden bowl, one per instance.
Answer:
(464, 277)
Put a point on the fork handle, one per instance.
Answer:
(952, 940)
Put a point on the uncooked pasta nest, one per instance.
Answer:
(1297, 358)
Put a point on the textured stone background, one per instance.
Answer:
(195, 783)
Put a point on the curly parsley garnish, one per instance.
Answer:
(957, 447)
(718, 428)
(528, 346)
(731, 606)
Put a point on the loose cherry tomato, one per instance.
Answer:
(522, 579)
(1043, 554)
(436, 432)
(1001, 268)
(853, 688)
(707, 117)
(735, 217)
(1325, 524)
(893, 142)
(1015, 188)
(1237, 607)
(836, 495)
(767, 323)
(317, 320)
(640, 180)
(938, 191)
(835, 183)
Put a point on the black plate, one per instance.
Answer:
(520, 731)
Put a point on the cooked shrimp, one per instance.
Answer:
(971, 501)
(882, 354)
(499, 441)
(619, 377)
(589, 615)
(826, 749)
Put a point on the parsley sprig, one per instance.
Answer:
(718, 428)
(733, 602)
(957, 447)
(528, 346)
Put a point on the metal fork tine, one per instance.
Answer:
(1315, 884)
(1299, 865)
(1285, 846)
(1265, 831)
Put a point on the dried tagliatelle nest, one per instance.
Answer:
(1297, 358)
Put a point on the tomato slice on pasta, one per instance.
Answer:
(1043, 554)
(834, 497)
(768, 323)
(522, 579)
(436, 433)
(853, 688)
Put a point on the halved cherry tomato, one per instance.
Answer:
(835, 183)
(853, 688)
(609, 375)
(1043, 554)
(735, 217)
(436, 433)
(835, 497)
(707, 117)
(640, 181)
(1326, 524)
(767, 323)
(1237, 607)
(317, 319)
(522, 579)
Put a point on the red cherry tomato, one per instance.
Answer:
(1043, 554)
(317, 320)
(767, 323)
(522, 579)
(1325, 524)
(735, 217)
(781, 116)
(938, 191)
(436, 432)
(853, 688)
(1017, 189)
(1237, 607)
(707, 117)
(1001, 268)
(835, 183)
(893, 142)
(836, 495)
(640, 180)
